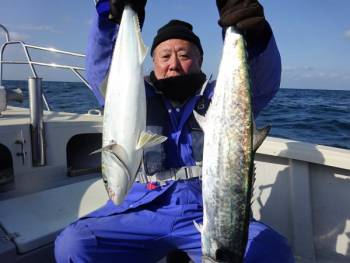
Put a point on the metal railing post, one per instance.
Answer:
(37, 129)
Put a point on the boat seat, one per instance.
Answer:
(34, 220)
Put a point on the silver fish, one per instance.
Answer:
(124, 120)
(228, 157)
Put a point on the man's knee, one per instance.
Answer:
(267, 245)
(74, 243)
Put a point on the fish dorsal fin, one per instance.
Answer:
(141, 45)
(201, 120)
(259, 135)
(149, 139)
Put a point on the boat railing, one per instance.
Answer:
(32, 64)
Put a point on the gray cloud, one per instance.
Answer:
(347, 34)
(30, 27)
(15, 36)
(308, 72)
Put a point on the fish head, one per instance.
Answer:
(116, 177)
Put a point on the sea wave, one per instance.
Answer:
(315, 116)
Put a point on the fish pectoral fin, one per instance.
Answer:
(259, 136)
(202, 120)
(198, 226)
(149, 139)
(97, 151)
(104, 148)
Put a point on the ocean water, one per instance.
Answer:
(315, 116)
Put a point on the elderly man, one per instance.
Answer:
(157, 215)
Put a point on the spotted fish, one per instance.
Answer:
(229, 147)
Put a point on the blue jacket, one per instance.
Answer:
(184, 144)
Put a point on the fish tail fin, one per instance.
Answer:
(148, 139)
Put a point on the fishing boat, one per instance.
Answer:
(49, 179)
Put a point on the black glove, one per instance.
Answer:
(117, 7)
(248, 17)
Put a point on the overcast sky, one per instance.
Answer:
(313, 36)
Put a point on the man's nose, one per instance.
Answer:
(174, 63)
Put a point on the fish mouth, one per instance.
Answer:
(109, 190)
(112, 196)
(111, 193)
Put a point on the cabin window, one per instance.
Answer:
(80, 161)
(6, 166)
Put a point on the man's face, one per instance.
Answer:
(175, 57)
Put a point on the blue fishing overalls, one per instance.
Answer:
(157, 218)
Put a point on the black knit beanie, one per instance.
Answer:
(176, 29)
